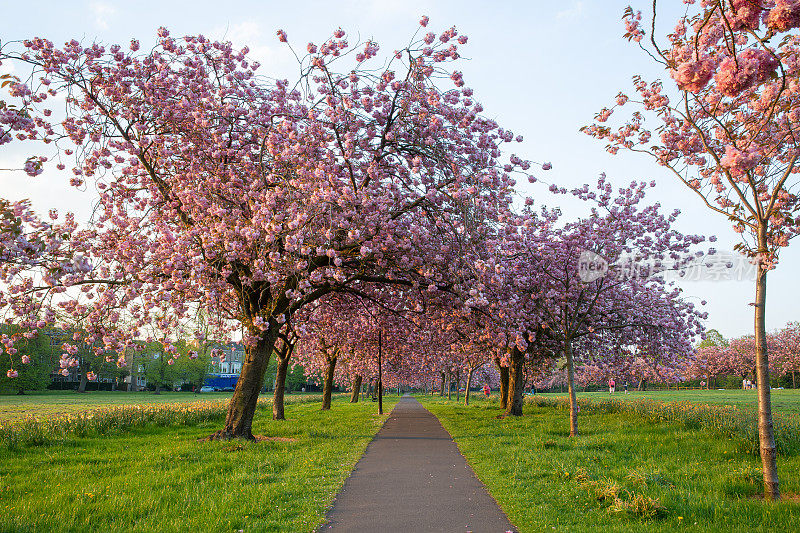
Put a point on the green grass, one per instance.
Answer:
(691, 479)
(783, 401)
(163, 479)
(47, 403)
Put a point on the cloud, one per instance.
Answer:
(102, 12)
(573, 12)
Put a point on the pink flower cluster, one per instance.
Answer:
(738, 162)
(749, 68)
(746, 14)
(693, 75)
(784, 16)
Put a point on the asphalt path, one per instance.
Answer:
(412, 478)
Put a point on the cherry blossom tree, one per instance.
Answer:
(729, 136)
(253, 198)
(558, 304)
(787, 351)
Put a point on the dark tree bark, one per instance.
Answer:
(503, 383)
(283, 355)
(766, 434)
(380, 373)
(441, 389)
(279, 393)
(516, 382)
(327, 388)
(83, 382)
(356, 388)
(242, 407)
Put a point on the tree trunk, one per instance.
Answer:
(766, 435)
(794, 384)
(503, 383)
(516, 382)
(458, 388)
(441, 388)
(280, 388)
(469, 384)
(380, 374)
(328, 386)
(573, 402)
(242, 407)
(82, 384)
(356, 388)
(449, 386)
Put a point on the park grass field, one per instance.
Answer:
(785, 401)
(164, 479)
(55, 403)
(48, 403)
(620, 474)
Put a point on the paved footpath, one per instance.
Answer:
(412, 478)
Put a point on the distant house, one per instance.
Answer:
(230, 359)
(56, 338)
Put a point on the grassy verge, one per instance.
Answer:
(162, 479)
(43, 429)
(785, 401)
(729, 421)
(619, 475)
(50, 403)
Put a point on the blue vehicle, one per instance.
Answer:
(221, 382)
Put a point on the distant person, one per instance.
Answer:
(611, 386)
(303, 389)
(487, 390)
(626, 387)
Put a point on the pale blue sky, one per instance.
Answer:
(539, 68)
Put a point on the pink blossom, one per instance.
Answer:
(746, 14)
(751, 67)
(12, 373)
(784, 16)
(739, 161)
(692, 76)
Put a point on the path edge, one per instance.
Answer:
(328, 507)
(471, 467)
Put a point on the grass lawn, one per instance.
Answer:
(783, 401)
(163, 479)
(45, 403)
(543, 479)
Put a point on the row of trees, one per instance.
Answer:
(719, 357)
(366, 204)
